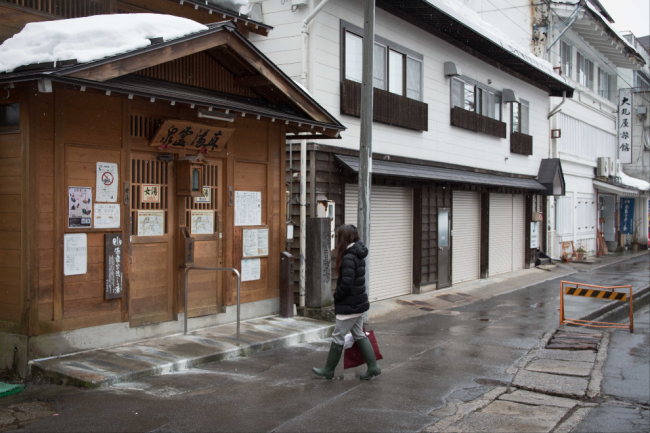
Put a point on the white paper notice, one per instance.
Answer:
(75, 251)
(256, 242)
(202, 222)
(106, 182)
(248, 208)
(250, 269)
(107, 216)
(151, 223)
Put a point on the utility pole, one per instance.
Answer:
(365, 146)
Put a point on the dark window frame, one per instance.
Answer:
(477, 85)
(11, 128)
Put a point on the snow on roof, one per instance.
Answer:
(90, 38)
(634, 182)
(471, 19)
(605, 21)
(240, 6)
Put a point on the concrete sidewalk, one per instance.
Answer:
(178, 352)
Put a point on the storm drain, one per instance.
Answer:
(563, 340)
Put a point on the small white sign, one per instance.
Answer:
(250, 269)
(107, 216)
(625, 126)
(202, 222)
(248, 208)
(534, 235)
(206, 195)
(256, 242)
(107, 181)
(151, 223)
(75, 254)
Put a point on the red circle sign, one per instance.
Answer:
(107, 179)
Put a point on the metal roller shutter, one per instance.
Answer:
(519, 231)
(501, 239)
(466, 226)
(391, 238)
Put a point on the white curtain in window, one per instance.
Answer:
(379, 68)
(396, 72)
(524, 119)
(469, 97)
(456, 93)
(582, 140)
(516, 108)
(353, 57)
(413, 79)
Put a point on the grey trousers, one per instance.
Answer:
(342, 327)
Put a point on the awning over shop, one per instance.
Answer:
(619, 190)
(412, 171)
(551, 177)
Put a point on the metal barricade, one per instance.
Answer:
(611, 293)
(238, 293)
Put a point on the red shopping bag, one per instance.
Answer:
(352, 357)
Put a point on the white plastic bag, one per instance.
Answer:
(349, 341)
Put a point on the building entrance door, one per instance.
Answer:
(151, 272)
(444, 253)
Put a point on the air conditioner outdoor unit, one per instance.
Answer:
(603, 167)
(616, 169)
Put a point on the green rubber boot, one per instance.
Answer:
(369, 355)
(332, 360)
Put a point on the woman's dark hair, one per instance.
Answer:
(345, 235)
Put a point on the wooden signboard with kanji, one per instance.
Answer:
(191, 135)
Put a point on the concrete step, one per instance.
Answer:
(151, 357)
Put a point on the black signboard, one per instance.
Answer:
(113, 258)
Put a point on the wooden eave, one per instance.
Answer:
(427, 17)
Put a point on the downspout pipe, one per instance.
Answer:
(557, 109)
(303, 155)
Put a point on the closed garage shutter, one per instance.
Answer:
(466, 226)
(391, 238)
(519, 231)
(500, 234)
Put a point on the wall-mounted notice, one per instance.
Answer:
(206, 195)
(150, 193)
(250, 269)
(113, 265)
(106, 182)
(75, 254)
(202, 222)
(248, 208)
(80, 204)
(534, 235)
(151, 223)
(107, 216)
(256, 242)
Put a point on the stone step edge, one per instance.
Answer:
(316, 334)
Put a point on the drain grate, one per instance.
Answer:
(563, 340)
(451, 297)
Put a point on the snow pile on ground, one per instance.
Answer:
(634, 182)
(240, 6)
(471, 19)
(90, 38)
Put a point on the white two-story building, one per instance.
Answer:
(460, 133)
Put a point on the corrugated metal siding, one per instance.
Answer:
(519, 231)
(391, 238)
(501, 241)
(466, 225)
(583, 140)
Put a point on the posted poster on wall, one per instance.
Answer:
(75, 254)
(256, 242)
(113, 265)
(151, 223)
(534, 235)
(107, 216)
(80, 205)
(248, 208)
(206, 195)
(250, 269)
(202, 222)
(106, 182)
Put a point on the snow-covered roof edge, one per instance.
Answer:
(472, 20)
(607, 24)
(634, 182)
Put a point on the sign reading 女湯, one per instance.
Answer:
(191, 135)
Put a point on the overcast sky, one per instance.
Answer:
(631, 15)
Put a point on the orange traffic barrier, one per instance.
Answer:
(615, 293)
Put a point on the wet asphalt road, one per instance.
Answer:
(426, 359)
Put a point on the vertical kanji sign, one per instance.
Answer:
(626, 223)
(113, 265)
(625, 126)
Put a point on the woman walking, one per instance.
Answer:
(350, 302)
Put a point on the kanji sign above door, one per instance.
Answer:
(106, 182)
(191, 135)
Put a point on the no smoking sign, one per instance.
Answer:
(106, 189)
(107, 179)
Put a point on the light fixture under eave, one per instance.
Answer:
(509, 95)
(217, 115)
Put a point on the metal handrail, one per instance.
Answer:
(238, 293)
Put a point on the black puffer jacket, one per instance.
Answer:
(350, 296)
